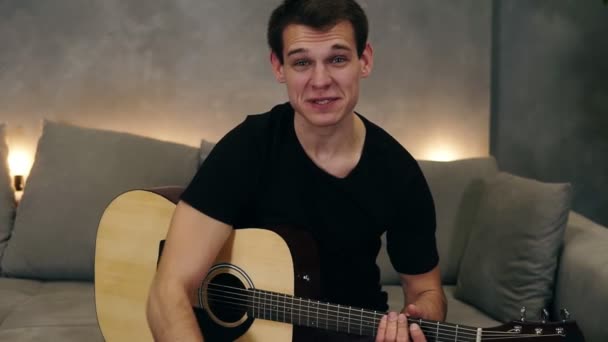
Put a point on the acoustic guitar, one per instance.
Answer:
(262, 286)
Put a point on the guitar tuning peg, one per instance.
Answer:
(522, 314)
(544, 315)
(565, 314)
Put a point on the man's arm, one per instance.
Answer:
(193, 242)
(424, 295)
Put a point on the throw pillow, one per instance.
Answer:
(204, 150)
(76, 173)
(7, 195)
(456, 189)
(511, 256)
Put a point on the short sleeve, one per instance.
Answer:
(411, 242)
(227, 177)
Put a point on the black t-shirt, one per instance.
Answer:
(259, 175)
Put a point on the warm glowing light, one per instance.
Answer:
(442, 153)
(19, 163)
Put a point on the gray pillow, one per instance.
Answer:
(456, 189)
(7, 195)
(511, 256)
(76, 173)
(204, 150)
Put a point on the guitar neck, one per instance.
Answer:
(334, 317)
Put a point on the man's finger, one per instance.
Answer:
(402, 331)
(413, 311)
(391, 327)
(381, 329)
(416, 333)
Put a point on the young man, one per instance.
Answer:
(315, 163)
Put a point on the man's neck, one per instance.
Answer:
(337, 149)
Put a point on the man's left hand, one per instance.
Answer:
(394, 327)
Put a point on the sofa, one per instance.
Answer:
(504, 241)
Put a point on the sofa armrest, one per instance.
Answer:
(582, 279)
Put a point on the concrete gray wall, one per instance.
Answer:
(182, 70)
(550, 95)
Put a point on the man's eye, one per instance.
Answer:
(301, 63)
(338, 60)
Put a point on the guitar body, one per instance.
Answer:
(127, 251)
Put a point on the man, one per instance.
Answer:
(314, 163)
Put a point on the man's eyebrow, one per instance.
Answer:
(293, 52)
(340, 47)
(333, 47)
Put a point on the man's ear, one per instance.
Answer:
(367, 60)
(277, 67)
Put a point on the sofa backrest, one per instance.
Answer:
(456, 189)
(76, 173)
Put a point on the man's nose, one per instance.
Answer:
(321, 76)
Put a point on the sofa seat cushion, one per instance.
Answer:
(14, 292)
(31, 310)
(458, 312)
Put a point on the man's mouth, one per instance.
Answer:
(323, 101)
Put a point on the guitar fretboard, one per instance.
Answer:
(285, 308)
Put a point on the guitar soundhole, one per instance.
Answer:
(226, 296)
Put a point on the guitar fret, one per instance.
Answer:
(300, 312)
(348, 326)
(374, 327)
(326, 316)
(292, 310)
(272, 308)
(361, 324)
(253, 304)
(263, 301)
(308, 313)
(437, 333)
(456, 337)
(338, 319)
(318, 304)
(284, 308)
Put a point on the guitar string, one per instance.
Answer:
(368, 329)
(445, 326)
(429, 331)
(432, 326)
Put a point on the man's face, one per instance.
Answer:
(322, 71)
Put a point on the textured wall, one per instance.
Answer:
(550, 96)
(182, 70)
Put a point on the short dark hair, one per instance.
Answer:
(318, 14)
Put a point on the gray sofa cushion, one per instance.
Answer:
(7, 195)
(512, 252)
(76, 173)
(456, 189)
(31, 310)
